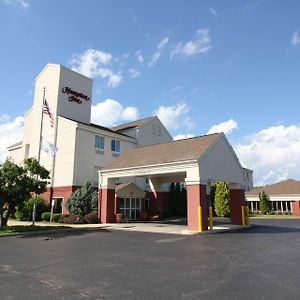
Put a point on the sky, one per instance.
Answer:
(201, 66)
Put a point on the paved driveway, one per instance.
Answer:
(261, 262)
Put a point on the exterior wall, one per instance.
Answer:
(220, 163)
(66, 106)
(159, 201)
(87, 157)
(237, 200)
(107, 205)
(196, 196)
(59, 192)
(296, 207)
(17, 154)
(248, 180)
(146, 136)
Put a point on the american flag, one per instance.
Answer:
(47, 111)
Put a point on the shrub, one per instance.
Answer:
(72, 219)
(46, 216)
(24, 212)
(91, 218)
(222, 207)
(264, 203)
(83, 201)
(56, 217)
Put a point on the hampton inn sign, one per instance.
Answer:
(75, 96)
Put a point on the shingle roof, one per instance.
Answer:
(131, 124)
(173, 151)
(286, 187)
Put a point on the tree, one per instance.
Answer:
(212, 197)
(37, 175)
(264, 203)
(16, 184)
(222, 207)
(83, 201)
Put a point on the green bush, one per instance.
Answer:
(91, 218)
(222, 206)
(83, 201)
(24, 212)
(56, 217)
(46, 216)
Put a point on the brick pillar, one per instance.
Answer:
(296, 207)
(237, 199)
(107, 205)
(196, 196)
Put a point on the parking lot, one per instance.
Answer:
(261, 262)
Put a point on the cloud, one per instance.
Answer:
(156, 55)
(163, 43)
(134, 73)
(295, 38)
(200, 45)
(93, 63)
(182, 136)
(11, 133)
(23, 3)
(139, 56)
(111, 112)
(213, 11)
(174, 116)
(273, 154)
(226, 127)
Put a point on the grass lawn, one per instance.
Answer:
(28, 228)
(275, 216)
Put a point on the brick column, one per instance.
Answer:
(107, 205)
(237, 199)
(196, 196)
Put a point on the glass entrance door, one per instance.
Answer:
(130, 208)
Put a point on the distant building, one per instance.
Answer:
(283, 196)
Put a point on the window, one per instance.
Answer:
(99, 142)
(115, 146)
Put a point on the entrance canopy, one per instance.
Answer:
(196, 161)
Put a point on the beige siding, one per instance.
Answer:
(220, 163)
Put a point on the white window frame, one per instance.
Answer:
(114, 147)
(99, 141)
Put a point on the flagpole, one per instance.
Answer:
(41, 129)
(39, 156)
(53, 164)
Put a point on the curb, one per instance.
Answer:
(63, 230)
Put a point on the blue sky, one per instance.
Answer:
(202, 66)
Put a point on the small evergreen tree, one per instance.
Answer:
(222, 207)
(212, 197)
(264, 203)
(83, 201)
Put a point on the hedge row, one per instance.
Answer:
(91, 218)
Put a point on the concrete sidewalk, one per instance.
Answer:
(151, 227)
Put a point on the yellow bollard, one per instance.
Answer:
(247, 215)
(243, 214)
(210, 211)
(199, 219)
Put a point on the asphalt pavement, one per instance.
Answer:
(261, 262)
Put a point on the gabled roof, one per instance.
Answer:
(286, 187)
(132, 124)
(173, 151)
